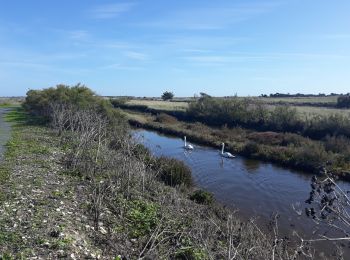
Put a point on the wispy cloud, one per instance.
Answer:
(213, 18)
(109, 10)
(23, 64)
(202, 43)
(79, 35)
(119, 66)
(230, 58)
(136, 55)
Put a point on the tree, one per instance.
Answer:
(167, 95)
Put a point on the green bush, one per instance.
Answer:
(202, 197)
(343, 101)
(255, 115)
(117, 102)
(251, 148)
(167, 95)
(191, 253)
(143, 217)
(41, 102)
(173, 172)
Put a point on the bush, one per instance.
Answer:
(173, 172)
(202, 197)
(251, 148)
(343, 101)
(44, 103)
(166, 119)
(167, 95)
(191, 253)
(143, 217)
(117, 102)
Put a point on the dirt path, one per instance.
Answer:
(43, 215)
(4, 131)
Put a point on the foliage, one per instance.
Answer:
(251, 148)
(142, 217)
(44, 102)
(173, 172)
(117, 102)
(202, 197)
(191, 253)
(166, 119)
(253, 114)
(167, 95)
(343, 101)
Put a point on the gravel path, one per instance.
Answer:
(4, 131)
(44, 214)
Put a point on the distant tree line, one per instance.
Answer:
(284, 95)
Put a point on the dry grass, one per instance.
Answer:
(304, 111)
(321, 111)
(157, 104)
(310, 111)
(142, 118)
(330, 99)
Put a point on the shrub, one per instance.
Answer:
(251, 148)
(143, 217)
(167, 95)
(166, 119)
(44, 103)
(191, 253)
(343, 101)
(202, 197)
(116, 102)
(173, 172)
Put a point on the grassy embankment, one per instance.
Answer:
(288, 149)
(110, 202)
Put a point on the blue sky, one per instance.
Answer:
(144, 47)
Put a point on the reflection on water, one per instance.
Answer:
(256, 188)
(251, 165)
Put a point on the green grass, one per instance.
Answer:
(21, 143)
(17, 115)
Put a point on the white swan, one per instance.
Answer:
(187, 146)
(226, 154)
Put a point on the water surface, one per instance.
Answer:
(256, 189)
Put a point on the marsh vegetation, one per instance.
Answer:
(135, 205)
